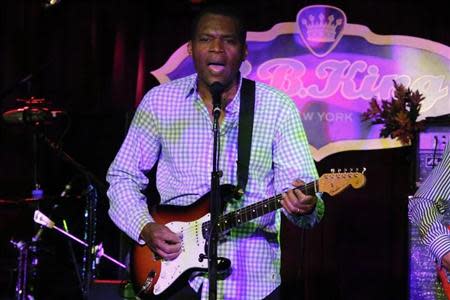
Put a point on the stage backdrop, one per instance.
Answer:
(332, 69)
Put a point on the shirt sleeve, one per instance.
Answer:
(127, 174)
(427, 207)
(293, 160)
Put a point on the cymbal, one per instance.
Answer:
(45, 199)
(17, 202)
(7, 202)
(28, 114)
(27, 201)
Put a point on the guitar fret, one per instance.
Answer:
(244, 216)
(226, 224)
(274, 205)
(239, 217)
(254, 213)
(222, 225)
(259, 210)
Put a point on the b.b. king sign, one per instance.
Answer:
(332, 69)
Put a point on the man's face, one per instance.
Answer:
(217, 51)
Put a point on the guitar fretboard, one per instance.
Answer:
(248, 213)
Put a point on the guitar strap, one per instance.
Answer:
(246, 112)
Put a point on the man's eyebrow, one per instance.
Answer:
(227, 35)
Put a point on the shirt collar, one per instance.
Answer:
(232, 107)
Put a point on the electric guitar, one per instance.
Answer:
(155, 275)
(444, 278)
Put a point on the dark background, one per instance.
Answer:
(93, 58)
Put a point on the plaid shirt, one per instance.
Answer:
(172, 127)
(429, 207)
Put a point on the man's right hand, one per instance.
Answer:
(161, 240)
(446, 261)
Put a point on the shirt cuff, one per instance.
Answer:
(439, 247)
(144, 220)
(311, 219)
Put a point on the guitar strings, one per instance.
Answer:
(255, 206)
(246, 210)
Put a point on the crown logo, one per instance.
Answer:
(321, 30)
(321, 27)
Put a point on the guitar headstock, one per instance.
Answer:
(335, 182)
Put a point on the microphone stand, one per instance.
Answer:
(90, 214)
(214, 204)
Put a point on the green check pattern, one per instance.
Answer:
(172, 127)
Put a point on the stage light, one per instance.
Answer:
(50, 3)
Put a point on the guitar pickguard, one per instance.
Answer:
(192, 247)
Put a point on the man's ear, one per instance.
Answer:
(189, 48)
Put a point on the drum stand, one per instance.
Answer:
(95, 251)
(34, 114)
(27, 260)
(26, 266)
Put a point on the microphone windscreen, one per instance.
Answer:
(216, 88)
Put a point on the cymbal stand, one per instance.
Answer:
(89, 259)
(31, 120)
(27, 264)
(27, 260)
(37, 192)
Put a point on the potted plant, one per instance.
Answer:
(399, 115)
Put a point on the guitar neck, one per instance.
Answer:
(248, 213)
(330, 183)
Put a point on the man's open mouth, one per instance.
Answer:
(216, 67)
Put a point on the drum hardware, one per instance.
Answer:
(34, 114)
(98, 250)
(28, 248)
(90, 213)
(26, 267)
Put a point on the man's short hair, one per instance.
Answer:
(222, 10)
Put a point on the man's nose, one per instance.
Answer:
(216, 45)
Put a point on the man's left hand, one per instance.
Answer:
(297, 203)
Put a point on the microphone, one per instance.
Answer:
(216, 89)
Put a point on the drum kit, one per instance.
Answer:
(35, 114)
